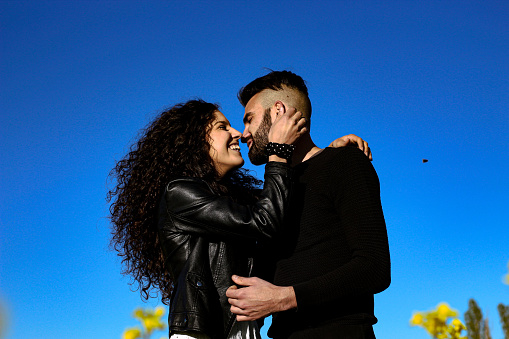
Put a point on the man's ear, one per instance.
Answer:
(278, 109)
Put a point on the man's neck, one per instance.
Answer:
(305, 149)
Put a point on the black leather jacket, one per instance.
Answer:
(206, 238)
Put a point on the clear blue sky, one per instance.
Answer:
(417, 79)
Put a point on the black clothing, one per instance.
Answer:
(206, 238)
(336, 330)
(337, 255)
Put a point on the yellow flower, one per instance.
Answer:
(435, 322)
(132, 333)
(138, 313)
(432, 326)
(455, 328)
(457, 325)
(150, 319)
(152, 324)
(417, 319)
(444, 312)
(159, 311)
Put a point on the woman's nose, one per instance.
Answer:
(235, 134)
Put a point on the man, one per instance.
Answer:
(336, 256)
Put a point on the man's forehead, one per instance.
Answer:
(252, 106)
(254, 101)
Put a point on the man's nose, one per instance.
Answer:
(245, 135)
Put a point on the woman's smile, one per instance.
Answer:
(224, 145)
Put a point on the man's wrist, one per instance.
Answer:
(277, 159)
(288, 299)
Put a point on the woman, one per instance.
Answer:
(186, 217)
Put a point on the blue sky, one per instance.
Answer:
(416, 79)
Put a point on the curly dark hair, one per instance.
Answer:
(174, 145)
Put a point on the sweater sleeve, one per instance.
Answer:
(357, 203)
(189, 206)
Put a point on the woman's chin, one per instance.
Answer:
(241, 164)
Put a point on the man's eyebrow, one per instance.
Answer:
(247, 116)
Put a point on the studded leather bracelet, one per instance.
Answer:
(284, 151)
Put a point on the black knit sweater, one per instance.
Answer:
(337, 255)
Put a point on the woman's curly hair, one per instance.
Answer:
(174, 145)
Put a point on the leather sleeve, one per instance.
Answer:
(193, 208)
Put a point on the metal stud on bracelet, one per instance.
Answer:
(284, 151)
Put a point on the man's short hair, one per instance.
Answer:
(275, 80)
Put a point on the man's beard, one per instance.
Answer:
(260, 140)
